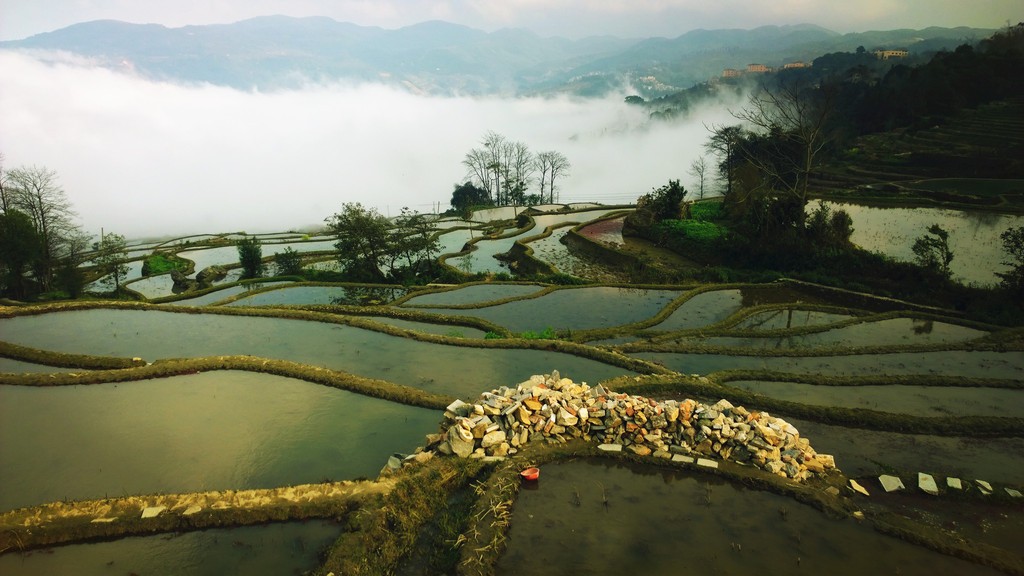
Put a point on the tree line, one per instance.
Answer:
(502, 171)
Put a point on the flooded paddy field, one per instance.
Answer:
(573, 309)
(153, 335)
(209, 431)
(892, 332)
(473, 294)
(620, 518)
(973, 236)
(913, 400)
(289, 548)
(1009, 365)
(227, 429)
(314, 295)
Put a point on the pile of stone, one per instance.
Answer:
(554, 409)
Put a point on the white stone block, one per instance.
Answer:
(153, 511)
(927, 483)
(707, 463)
(890, 483)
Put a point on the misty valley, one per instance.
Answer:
(773, 320)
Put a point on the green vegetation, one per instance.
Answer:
(545, 334)
(1013, 245)
(370, 248)
(250, 254)
(160, 263)
(288, 262)
(111, 255)
(932, 252)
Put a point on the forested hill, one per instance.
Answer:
(275, 52)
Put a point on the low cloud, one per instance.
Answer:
(143, 158)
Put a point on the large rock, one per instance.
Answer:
(211, 274)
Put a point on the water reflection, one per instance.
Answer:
(208, 431)
(290, 548)
(593, 518)
(973, 235)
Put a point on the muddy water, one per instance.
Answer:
(778, 319)
(574, 309)
(462, 372)
(869, 452)
(218, 295)
(951, 363)
(703, 309)
(476, 294)
(891, 332)
(209, 431)
(316, 295)
(913, 400)
(662, 522)
(427, 328)
(290, 548)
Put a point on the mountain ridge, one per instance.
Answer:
(282, 52)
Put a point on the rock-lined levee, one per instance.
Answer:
(553, 409)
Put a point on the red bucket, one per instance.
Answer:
(530, 473)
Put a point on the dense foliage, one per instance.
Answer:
(372, 249)
(250, 255)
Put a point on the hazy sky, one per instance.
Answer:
(574, 18)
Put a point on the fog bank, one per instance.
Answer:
(144, 158)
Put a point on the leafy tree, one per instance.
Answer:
(828, 231)
(414, 245)
(250, 254)
(723, 143)
(468, 195)
(1013, 245)
(371, 249)
(288, 262)
(665, 203)
(932, 251)
(112, 253)
(362, 241)
(20, 247)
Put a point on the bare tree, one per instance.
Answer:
(520, 169)
(698, 169)
(495, 144)
(35, 192)
(793, 122)
(558, 166)
(3, 186)
(477, 163)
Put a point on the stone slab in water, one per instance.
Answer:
(683, 459)
(1014, 493)
(890, 483)
(153, 511)
(707, 463)
(927, 483)
(984, 486)
(954, 483)
(610, 447)
(856, 486)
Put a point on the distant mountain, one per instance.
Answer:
(275, 52)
